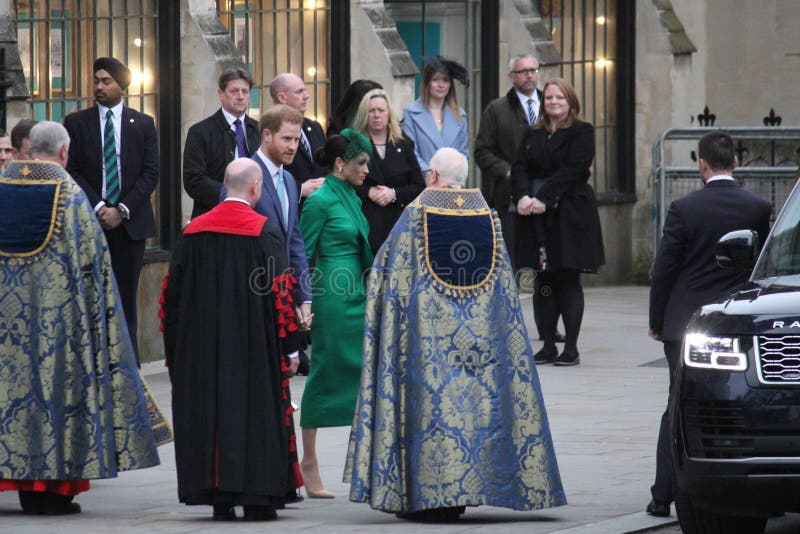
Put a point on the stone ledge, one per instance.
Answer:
(678, 39)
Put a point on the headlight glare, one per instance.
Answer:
(713, 352)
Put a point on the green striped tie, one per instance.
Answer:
(110, 161)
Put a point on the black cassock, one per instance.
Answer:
(227, 316)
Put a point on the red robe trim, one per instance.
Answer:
(67, 488)
(228, 217)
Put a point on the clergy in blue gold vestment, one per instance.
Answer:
(71, 401)
(450, 413)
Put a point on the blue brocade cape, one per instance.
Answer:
(71, 402)
(450, 412)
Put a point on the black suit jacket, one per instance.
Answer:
(138, 163)
(685, 273)
(210, 146)
(399, 169)
(304, 167)
(503, 124)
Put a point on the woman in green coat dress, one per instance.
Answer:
(336, 238)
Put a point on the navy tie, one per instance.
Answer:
(531, 113)
(241, 143)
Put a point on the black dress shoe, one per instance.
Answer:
(260, 513)
(224, 512)
(434, 515)
(545, 355)
(658, 508)
(56, 504)
(31, 502)
(304, 365)
(293, 497)
(567, 358)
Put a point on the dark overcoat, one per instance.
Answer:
(210, 146)
(399, 170)
(555, 168)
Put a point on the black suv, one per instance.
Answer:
(735, 406)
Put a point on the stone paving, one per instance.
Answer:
(603, 413)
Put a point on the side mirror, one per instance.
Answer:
(738, 250)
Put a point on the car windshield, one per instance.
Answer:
(781, 254)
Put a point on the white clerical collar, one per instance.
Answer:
(271, 167)
(719, 177)
(231, 118)
(237, 199)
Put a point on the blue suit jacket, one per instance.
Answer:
(419, 126)
(270, 206)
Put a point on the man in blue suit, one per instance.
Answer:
(280, 136)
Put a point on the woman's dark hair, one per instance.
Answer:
(334, 147)
(348, 105)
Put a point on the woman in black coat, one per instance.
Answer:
(394, 177)
(558, 225)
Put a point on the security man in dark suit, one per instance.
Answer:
(290, 89)
(685, 273)
(219, 139)
(113, 155)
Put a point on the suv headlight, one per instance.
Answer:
(713, 352)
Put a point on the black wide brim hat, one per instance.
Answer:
(451, 68)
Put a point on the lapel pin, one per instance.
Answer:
(399, 149)
(131, 120)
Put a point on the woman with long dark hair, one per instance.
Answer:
(346, 108)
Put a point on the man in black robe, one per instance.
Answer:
(229, 336)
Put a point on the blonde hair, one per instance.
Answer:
(573, 115)
(425, 90)
(361, 120)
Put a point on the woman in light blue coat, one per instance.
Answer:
(435, 120)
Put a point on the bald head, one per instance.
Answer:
(243, 180)
(450, 166)
(289, 89)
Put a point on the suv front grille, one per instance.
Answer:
(778, 359)
(716, 429)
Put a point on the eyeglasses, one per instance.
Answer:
(427, 175)
(526, 71)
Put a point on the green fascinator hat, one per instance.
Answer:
(356, 144)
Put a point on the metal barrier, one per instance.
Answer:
(768, 166)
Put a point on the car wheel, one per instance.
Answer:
(697, 520)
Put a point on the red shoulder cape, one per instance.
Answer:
(228, 218)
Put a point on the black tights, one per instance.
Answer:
(560, 293)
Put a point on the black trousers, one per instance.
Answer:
(127, 257)
(661, 490)
(559, 293)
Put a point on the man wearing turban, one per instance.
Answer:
(113, 155)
